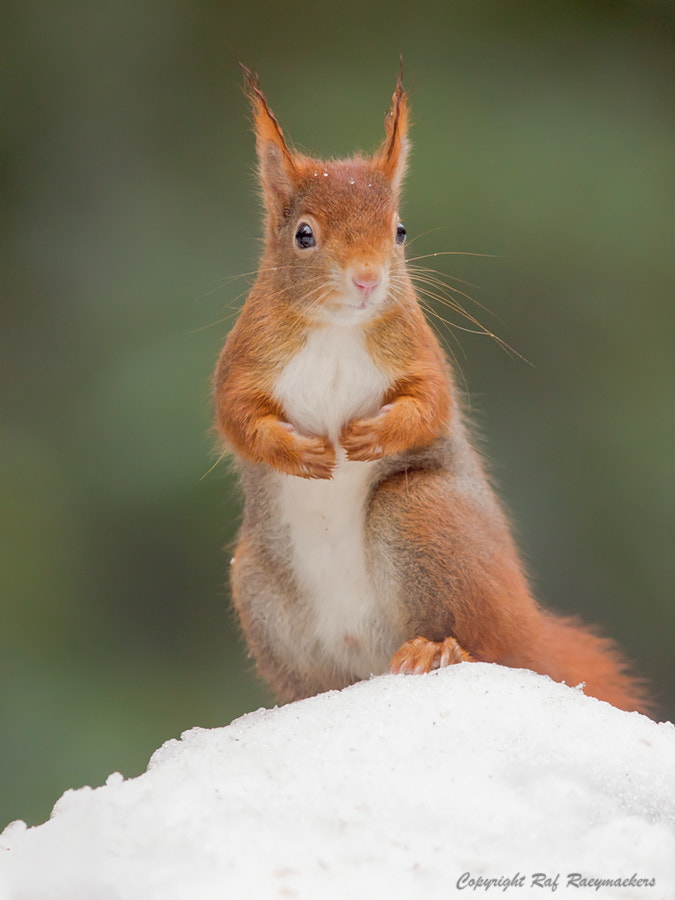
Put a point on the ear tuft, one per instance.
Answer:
(278, 173)
(392, 155)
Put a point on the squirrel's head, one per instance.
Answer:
(333, 234)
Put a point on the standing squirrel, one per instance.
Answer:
(371, 540)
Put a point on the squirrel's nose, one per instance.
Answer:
(366, 277)
(366, 285)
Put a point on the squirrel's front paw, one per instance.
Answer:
(366, 439)
(282, 446)
(315, 458)
(420, 655)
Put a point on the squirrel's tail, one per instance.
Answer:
(568, 650)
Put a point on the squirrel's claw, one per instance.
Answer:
(420, 655)
(363, 440)
(315, 458)
(282, 446)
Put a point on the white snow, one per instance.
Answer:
(393, 788)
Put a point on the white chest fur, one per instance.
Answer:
(331, 381)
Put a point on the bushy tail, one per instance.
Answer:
(570, 651)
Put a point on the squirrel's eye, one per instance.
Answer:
(400, 233)
(304, 237)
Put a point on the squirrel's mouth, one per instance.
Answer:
(355, 296)
(364, 304)
(353, 306)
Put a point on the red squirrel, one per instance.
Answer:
(371, 540)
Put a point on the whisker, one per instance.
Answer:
(445, 334)
(454, 253)
(216, 463)
(479, 329)
(430, 284)
(227, 281)
(231, 314)
(436, 315)
(441, 286)
(232, 304)
(442, 278)
(425, 233)
(433, 272)
(431, 276)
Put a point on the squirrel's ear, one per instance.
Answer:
(392, 155)
(278, 173)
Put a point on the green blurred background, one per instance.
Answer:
(544, 135)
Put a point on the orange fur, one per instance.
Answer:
(493, 615)
(431, 550)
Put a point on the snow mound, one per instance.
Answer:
(397, 787)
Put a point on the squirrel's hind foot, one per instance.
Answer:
(420, 655)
